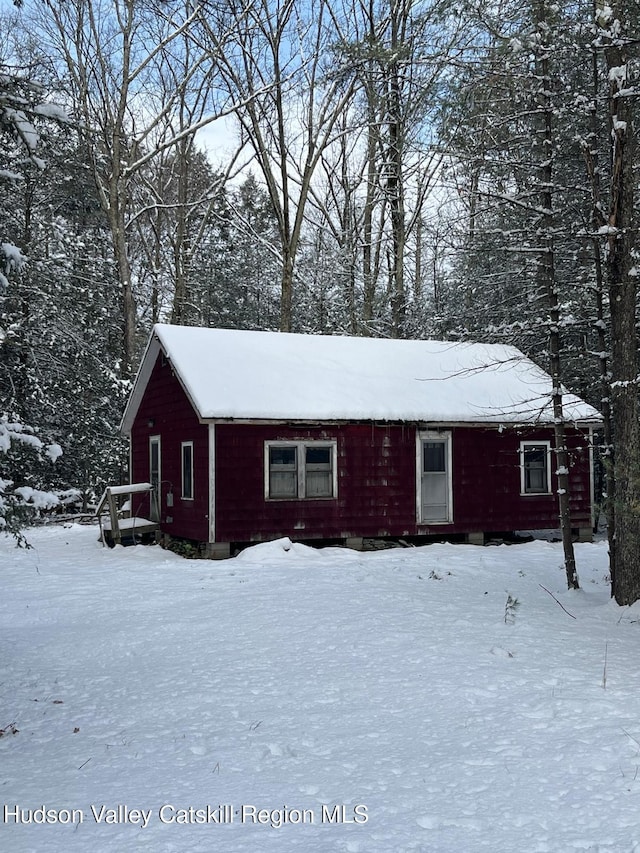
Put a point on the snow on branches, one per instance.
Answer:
(19, 504)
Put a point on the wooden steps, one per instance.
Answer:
(119, 527)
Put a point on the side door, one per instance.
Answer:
(435, 498)
(155, 477)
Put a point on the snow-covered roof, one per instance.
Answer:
(249, 375)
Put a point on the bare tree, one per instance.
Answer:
(289, 99)
(114, 51)
(377, 174)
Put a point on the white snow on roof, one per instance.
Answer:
(273, 375)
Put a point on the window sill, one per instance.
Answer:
(300, 500)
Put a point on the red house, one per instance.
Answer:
(250, 436)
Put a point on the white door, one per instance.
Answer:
(435, 478)
(155, 475)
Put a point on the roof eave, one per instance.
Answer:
(381, 422)
(152, 351)
(147, 363)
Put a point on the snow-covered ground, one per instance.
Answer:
(276, 686)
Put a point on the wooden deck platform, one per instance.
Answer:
(119, 528)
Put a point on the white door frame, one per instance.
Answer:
(156, 494)
(423, 436)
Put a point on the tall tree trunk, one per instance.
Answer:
(181, 247)
(347, 240)
(119, 239)
(622, 282)
(548, 286)
(590, 148)
(395, 179)
(286, 291)
(417, 284)
(368, 276)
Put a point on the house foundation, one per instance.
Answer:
(217, 550)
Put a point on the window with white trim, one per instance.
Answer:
(535, 468)
(300, 470)
(186, 456)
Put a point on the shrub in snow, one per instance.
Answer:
(21, 505)
(510, 609)
(13, 514)
(13, 259)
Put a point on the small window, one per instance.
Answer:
(534, 467)
(300, 470)
(187, 470)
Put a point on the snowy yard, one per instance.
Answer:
(150, 693)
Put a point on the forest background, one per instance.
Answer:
(393, 168)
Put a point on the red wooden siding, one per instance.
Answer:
(486, 481)
(375, 496)
(167, 406)
(377, 484)
(376, 475)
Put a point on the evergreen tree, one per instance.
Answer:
(236, 267)
(492, 292)
(25, 116)
(59, 359)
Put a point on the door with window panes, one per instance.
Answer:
(435, 479)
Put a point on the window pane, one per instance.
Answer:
(434, 456)
(435, 496)
(283, 472)
(187, 471)
(535, 469)
(282, 455)
(319, 484)
(536, 481)
(318, 455)
(318, 472)
(283, 484)
(154, 463)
